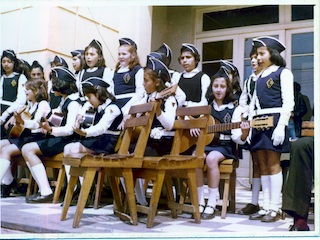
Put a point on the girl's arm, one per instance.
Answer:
(20, 101)
(168, 116)
(73, 109)
(286, 81)
(111, 112)
(42, 111)
(239, 135)
(108, 78)
(205, 82)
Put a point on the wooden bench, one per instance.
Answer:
(162, 169)
(114, 165)
(54, 162)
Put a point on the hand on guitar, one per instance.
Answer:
(79, 131)
(245, 129)
(44, 124)
(121, 125)
(18, 118)
(10, 122)
(194, 132)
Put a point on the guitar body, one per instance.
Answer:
(56, 119)
(16, 130)
(88, 119)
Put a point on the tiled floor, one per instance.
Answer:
(45, 219)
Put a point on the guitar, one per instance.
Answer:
(15, 130)
(88, 119)
(56, 119)
(215, 128)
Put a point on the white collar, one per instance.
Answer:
(223, 106)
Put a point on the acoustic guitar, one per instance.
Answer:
(15, 130)
(88, 119)
(215, 128)
(56, 119)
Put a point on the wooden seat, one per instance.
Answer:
(163, 169)
(114, 165)
(55, 163)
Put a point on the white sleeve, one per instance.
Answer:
(168, 116)
(42, 111)
(110, 114)
(236, 133)
(21, 98)
(108, 78)
(67, 130)
(138, 93)
(205, 83)
(286, 81)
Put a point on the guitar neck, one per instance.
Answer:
(223, 127)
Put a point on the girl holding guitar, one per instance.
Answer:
(26, 126)
(223, 109)
(64, 85)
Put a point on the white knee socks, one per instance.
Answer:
(140, 193)
(41, 178)
(4, 166)
(256, 182)
(265, 182)
(276, 181)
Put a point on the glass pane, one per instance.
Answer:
(247, 69)
(217, 50)
(301, 12)
(302, 43)
(210, 68)
(302, 69)
(240, 17)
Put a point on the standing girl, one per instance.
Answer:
(102, 135)
(244, 101)
(127, 77)
(37, 107)
(36, 71)
(78, 61)
(223, 109)
(193, 82)
(64, 84)
(274, 97)
(12, 95)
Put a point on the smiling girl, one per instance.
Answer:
(223, 109)
(37, 107)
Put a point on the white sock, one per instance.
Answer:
(256, 183)
(265, 182)
(4, 166)
(140, 193)
(67, 168)
(201, 200)
(81, 180)
(276, 181)
(33, 175)
(42, 179)
(212, 201)
(7, 178)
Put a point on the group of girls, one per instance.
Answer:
(110, 93)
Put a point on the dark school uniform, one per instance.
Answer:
(269, 94)
(32, 132)
(64, 134)
(103, 135)
(225, 145)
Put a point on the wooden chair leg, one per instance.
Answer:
(116, 192)
(68, 197)
(225, 198)
(194, 194)
(170, 197)
(232, 192)
(130, 195)
(60, 180)
(84, 193)
(99, 187)
(156, 192)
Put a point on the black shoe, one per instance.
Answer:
(249, 209)
(208, 216)
(271, 216)
(42, 199)
(28, 198)
(297, 228)
(258, 215)
(6, 189)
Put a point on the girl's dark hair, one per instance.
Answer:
(36, 64)
(229, 94)
(39, 87)
(82, 61)
(195, 55)
(101, 92)
(62, 86)
(101, 62)
(25, 68)
(134, 62)
(153, 75)
(253, 51)
(276, 58)
(16, 67)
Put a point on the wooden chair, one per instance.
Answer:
(162, 169)
(55, 163)
(307, 129)
(114, 165)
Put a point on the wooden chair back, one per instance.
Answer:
(307, 129)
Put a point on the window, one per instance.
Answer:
(301, 12)
(240, 17)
